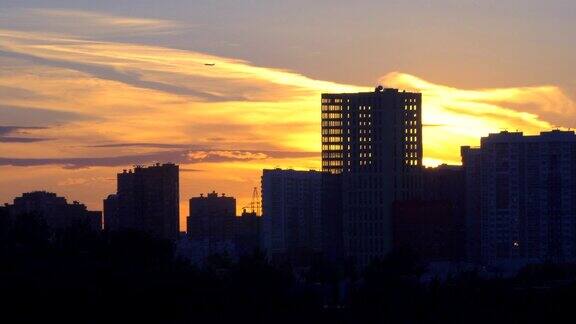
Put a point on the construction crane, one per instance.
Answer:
(254, 203)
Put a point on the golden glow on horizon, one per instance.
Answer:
(457, 117)
(126, 93)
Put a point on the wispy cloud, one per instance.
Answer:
(164, 69)
(35, 116)
(175, 156)
(14, 134)
(18, 93)
(12, 139)
(102, 18)
(177, 93)
(83, 23)
(148, 145)
(7, 130)
(111, 104)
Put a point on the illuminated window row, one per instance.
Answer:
(411, 155)
(331, 108)
(331, 139)
(329, 100)
(332, 147)
(331, 123)
(331, 131)
(332, 155)
(331, 115)
(333, 163)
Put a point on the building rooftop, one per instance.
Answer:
(377, 90)
(506, 136)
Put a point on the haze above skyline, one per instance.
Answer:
(88, 88)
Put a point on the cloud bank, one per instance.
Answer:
(106, 105)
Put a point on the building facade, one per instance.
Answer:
(432, 225)
(299, 224)
(111, 217)
(248, 230)
(211, 224)
(521, 197)
(429, 229)
(5, 222)
(147, 200)
(374, 140)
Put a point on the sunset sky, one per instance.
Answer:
(88, 88)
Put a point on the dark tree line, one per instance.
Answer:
(78, 276)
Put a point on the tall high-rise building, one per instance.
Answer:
(297, 218)
(521, 197)
(374, 139)
(147, 200)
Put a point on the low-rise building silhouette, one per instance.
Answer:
(521, 197)
(55, 211)
(214, 229)
(210, 226)
(4, 221)
(247, 232)
(147, 200)
(111, 218)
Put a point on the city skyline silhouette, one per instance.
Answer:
(287, 161)
(128, 86)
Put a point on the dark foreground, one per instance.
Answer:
(83, 277)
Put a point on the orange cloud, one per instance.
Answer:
(91, 91)
(466, 115)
